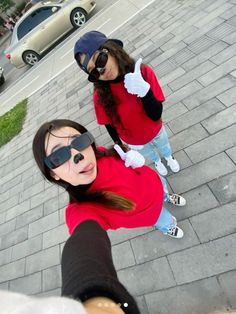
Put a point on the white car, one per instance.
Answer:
(44, 24)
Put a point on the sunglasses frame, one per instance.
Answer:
(66, 150)
(95, 73)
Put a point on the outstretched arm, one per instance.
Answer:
(88, 273)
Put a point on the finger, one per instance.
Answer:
(137, 65)
(128, 162)
(120, 151)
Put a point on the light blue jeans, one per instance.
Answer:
(165, 220)
(159, 143)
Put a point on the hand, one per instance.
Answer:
(132, 158)
(134, 82)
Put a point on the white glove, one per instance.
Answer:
(131, 158)
(134, 82)
(136, 147)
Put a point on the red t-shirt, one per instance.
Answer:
(136, 127)
(142, 186)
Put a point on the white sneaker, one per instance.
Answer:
(177, 200)
(175, 232)
(160, 167)
(173, 164)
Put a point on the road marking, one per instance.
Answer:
(69, 51)
(57, 72)
(25, 86)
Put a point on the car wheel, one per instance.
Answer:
(78, 17)
(2, 80)
(30, 57)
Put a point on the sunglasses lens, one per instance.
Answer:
(83, 141)
(93, 75)
(58, 158)
(100, 62)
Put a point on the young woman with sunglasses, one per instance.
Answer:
(127, 97)
(110, 186)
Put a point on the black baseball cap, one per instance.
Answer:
(88, 44)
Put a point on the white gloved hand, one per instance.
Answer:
(134, 82)
(136, 147)
(132, 158)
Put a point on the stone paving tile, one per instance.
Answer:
(42, 260)
(209, 25)
(14, 237)
(5, 256)
(218, 72)
(227, 282)
(44, 224)
(55, 236)
(148, 277)
(121, 235)
(198, 201)
(191, 75)
(224, 188)
(188, 137)
(12, 270)
(198, 114)
(199, 297)
(141, 305)
(51, 278)
(154, 245)
(122, 255)
(217, 256)
(228, 97)
(26, 248)
(173, 112)
(224, 55)
(29, 284)
(29, 216)
(221, 120)
(209, 92)
(221, 219)
(212, 145)
(187, 179)
(232, 153)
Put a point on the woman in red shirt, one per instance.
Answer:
(127, 97)
(112, 190)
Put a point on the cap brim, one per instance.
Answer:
(117, 41)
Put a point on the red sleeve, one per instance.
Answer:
(101, 116)
(76, 214)
(151, 78)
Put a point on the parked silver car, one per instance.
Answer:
(42, 25)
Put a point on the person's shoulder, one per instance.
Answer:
(101, 148)
(146, 68)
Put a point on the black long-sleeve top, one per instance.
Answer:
(151, 106)
(88, 270)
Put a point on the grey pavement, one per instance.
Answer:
(192, 47)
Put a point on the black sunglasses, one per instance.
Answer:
(99, 68)
(63, 154)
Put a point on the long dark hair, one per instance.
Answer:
(125, 65)
(76, 193)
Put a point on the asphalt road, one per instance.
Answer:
(12, 74)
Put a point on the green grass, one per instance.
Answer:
(11, 122)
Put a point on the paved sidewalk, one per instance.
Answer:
(192, 47)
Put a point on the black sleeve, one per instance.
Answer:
(88, 270)
(152, 106)
(113, 134)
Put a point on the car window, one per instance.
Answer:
(34, 19)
